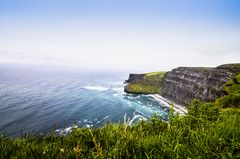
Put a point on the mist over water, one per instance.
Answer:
(41, 100)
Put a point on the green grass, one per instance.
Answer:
(161, 73)
(151, 84)
(232, 89)
(207, 131)
(154, 76)
(233, 86)
(143, 88)
(234, 65)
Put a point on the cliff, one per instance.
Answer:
(183, 84)
(148, 83)
(135, 78)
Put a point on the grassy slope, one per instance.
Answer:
(152, 83)
(143, 87)
(207, 131)
(232, 88)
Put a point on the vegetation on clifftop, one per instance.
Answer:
(207, 131)
(232, 89)
(143, 88)
(151, 84)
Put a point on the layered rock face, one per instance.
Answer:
(186, 83)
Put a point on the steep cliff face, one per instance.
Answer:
(135, 78)
(186, 83)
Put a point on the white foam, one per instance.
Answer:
(145, 109)
(178, 108)
(115, 94)
(97, 88)
(106, 117)
(135, 117)
(87, 121)
(130, 104)
(139, 106)
(116, 83)
(64, 131)
(68, 129)
(74, 126)
(118, 89)
(88, 126)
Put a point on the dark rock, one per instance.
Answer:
(135, 78)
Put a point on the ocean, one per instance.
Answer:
(43, 100)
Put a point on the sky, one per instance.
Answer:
(129, 35)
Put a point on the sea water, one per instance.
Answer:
(43, 99)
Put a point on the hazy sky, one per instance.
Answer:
(131, 35)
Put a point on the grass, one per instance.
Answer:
(143, 88)
(161, 73)
(154, 76)
(232, 65)
(207, 131)
(232, 88)
(151, 84)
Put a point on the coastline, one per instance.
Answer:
(182, 110)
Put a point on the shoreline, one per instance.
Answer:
(182, 110)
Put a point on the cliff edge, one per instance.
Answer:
(183, 84)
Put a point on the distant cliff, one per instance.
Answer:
(148, 83)
(186, 83)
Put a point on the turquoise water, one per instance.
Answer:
(41, 100)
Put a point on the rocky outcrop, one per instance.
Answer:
(183, 84)
(186, 83)
(135, 78)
